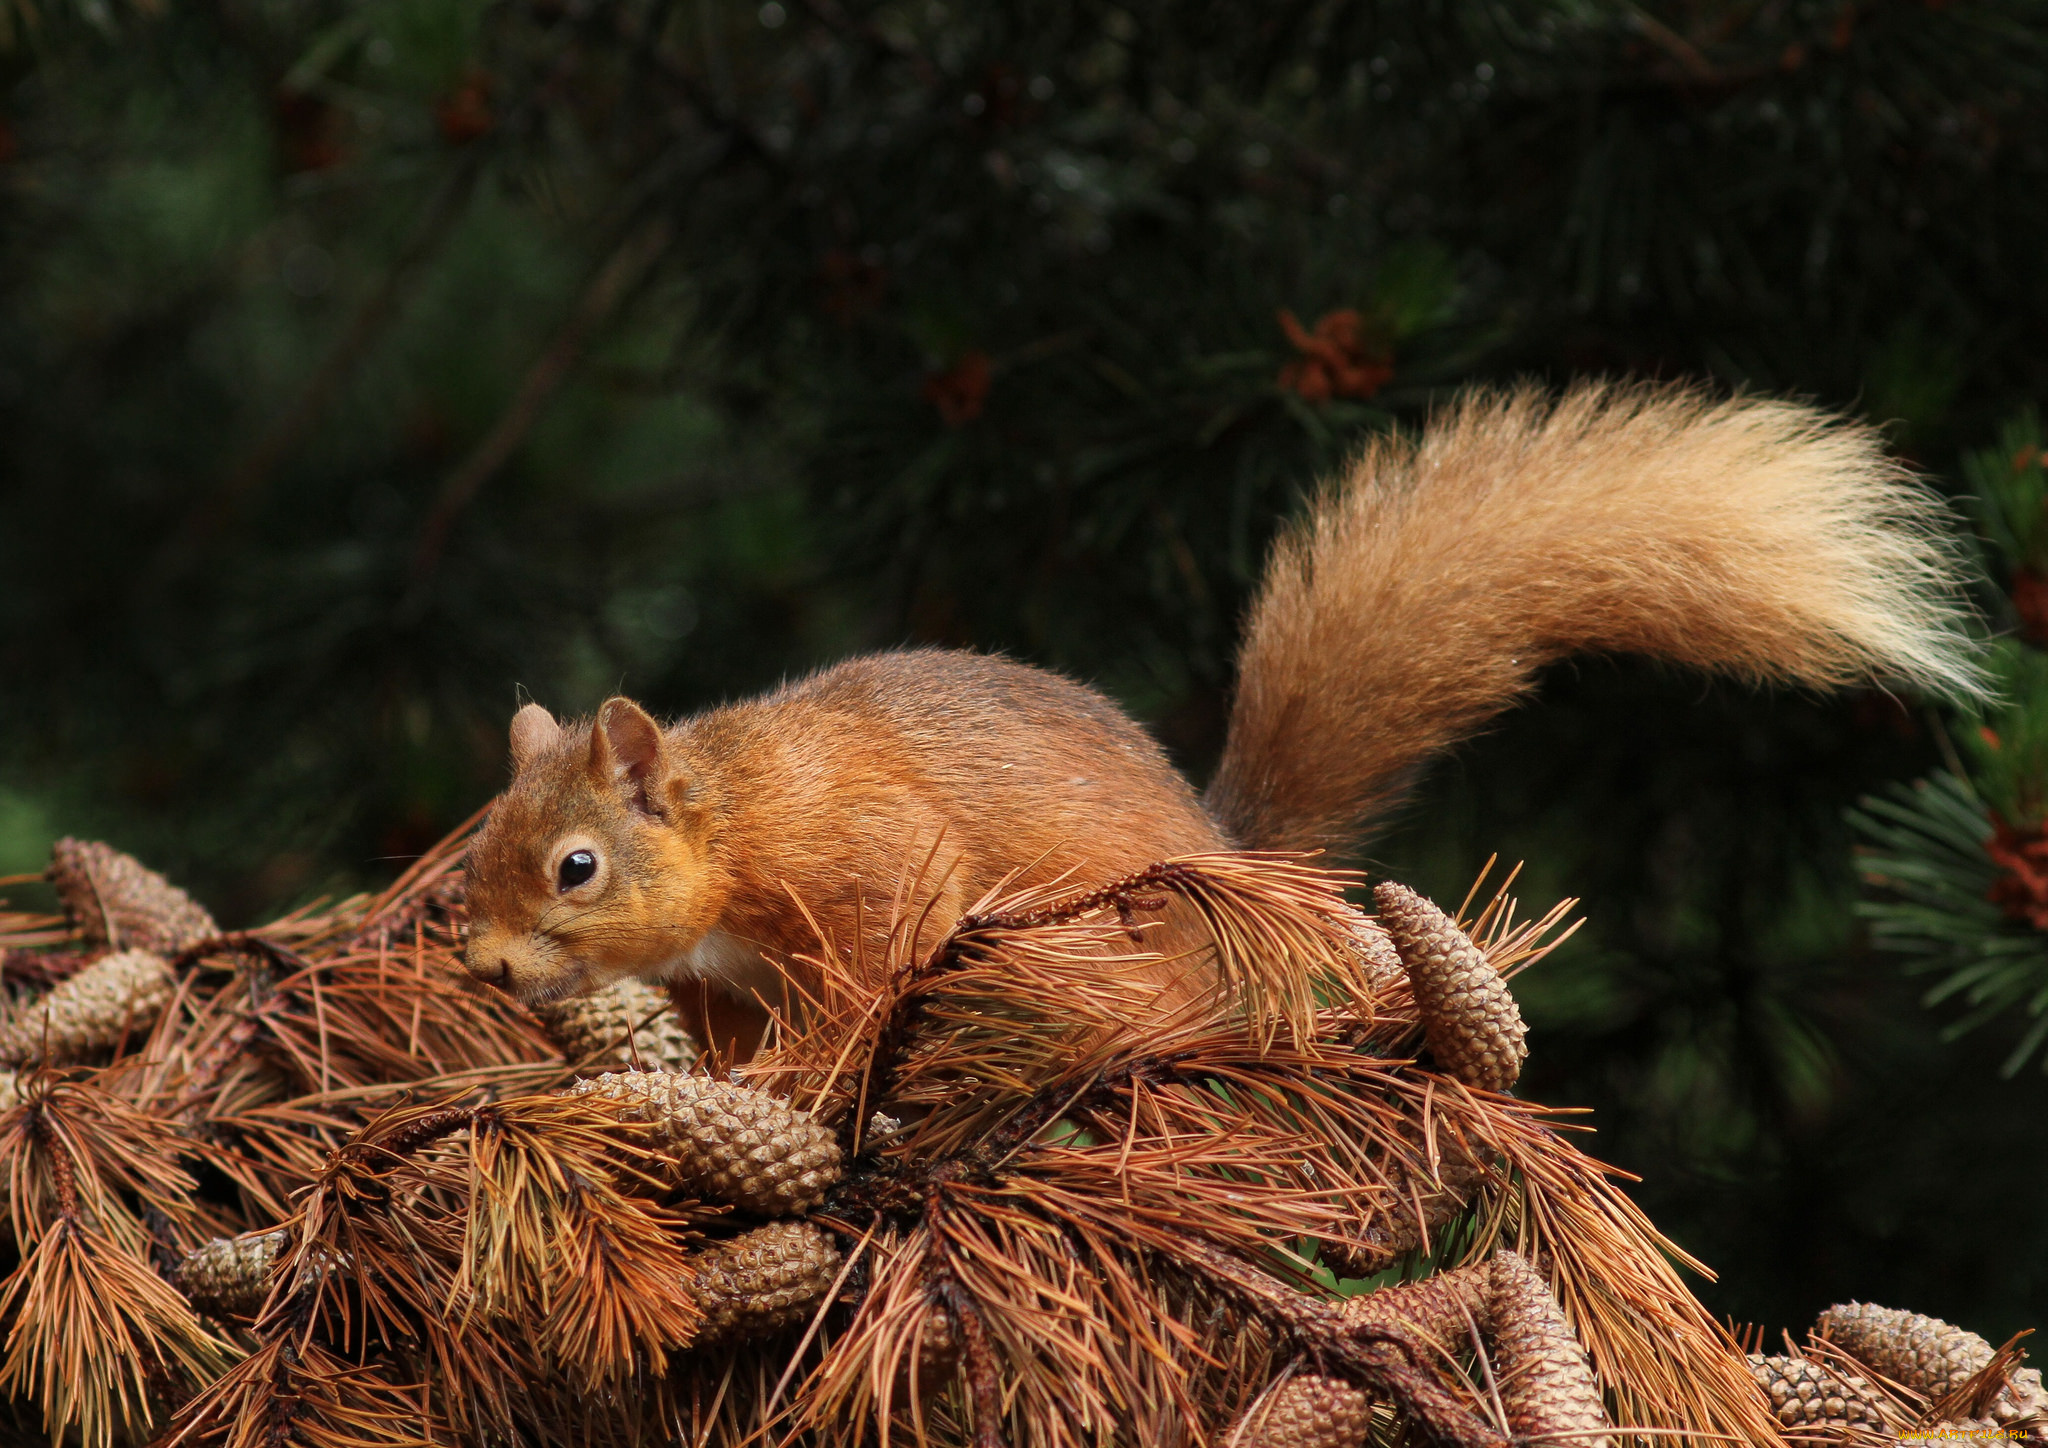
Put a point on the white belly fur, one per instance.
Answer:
(731, 964)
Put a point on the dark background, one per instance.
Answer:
(362, 364)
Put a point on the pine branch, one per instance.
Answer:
(95, 1333)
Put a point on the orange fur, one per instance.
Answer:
(1416, 601)
(1424, 591)
(819, 792)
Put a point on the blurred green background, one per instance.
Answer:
(363, 365)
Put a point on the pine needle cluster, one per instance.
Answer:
(1110, 1215)
(984, 1186)
(1962, 856)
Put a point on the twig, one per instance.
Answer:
(289, 431)
(983, 1380)
(621, 271)
(1480, 1356)
(1381, 1357)
(63, 1171)
(832, 15)
(1673, 44)
(240, 942)
(45, 967)
(429, 1129)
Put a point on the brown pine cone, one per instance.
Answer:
(1400, 1230)
(1927, 1355)
(1469, 1017)
(1375, 952)
(1443, 1308)
(1306, 1411)
(1805, 1394)
(2029, 1400)
(10, 1090)
(119, 994)
(729, 1142)
(1546, 1384)
(230, 1276)
(2024, 1430)
(114, 899)
(938, 1352)
(592, 1031)
(763, 1281)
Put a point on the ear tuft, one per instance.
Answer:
(534, 730)
(626, 748)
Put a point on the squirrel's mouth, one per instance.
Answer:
(531, 969)
(570, 979)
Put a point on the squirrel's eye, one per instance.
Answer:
(577, 867)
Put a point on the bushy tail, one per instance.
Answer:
(1424, 590)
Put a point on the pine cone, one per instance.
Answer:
(1469, 1017)
(1306, 1411)
(938, 1351)
(1375, 952)
(731, 1143)
(1546, 1384)
(763, 1281)
(116, 900)
(118, 994)
(230, 1276)
(1400, 1230)
(1443, 1308)
(2026, 1429)
(936, 1357)
(1926, 1354)
(10, 1090)
(2029, 1400)
(1805, 1394)
(591, 1031)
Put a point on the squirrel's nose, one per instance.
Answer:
(489, 962)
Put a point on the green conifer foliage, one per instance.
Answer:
(1962, 856)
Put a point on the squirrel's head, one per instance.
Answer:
(592, 867)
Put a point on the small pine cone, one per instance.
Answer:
(1546, 1384)
(1469, 1017)
(936, 1356)
(591, 1031)
(763, 1281)
(230, 1276)
(1400, 1230)
(10, 1090)
(118, 994)
(1306, 1411)
(730, 1142)
(1805, 1394)
(116, 900)
(1443, 1308)
(938, 1350)
(1375, 952)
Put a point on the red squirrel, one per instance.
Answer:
(1418, 598)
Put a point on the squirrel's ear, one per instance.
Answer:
(533, 730)
(625, 750)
